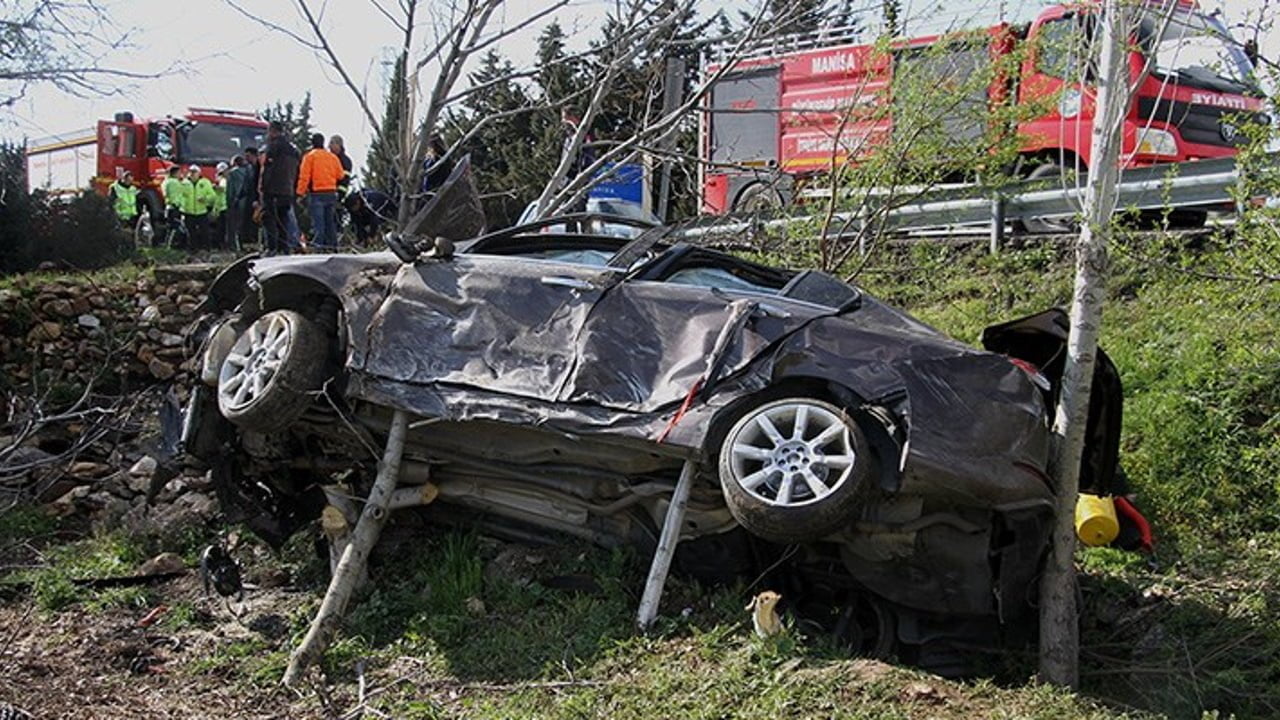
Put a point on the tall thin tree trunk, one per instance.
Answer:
(1059, 614)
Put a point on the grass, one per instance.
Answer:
(121, 273)
(53, 581)
(441, 637)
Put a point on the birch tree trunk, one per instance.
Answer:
(1059, 614)
(352, 566)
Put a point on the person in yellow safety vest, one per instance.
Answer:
(124, 200)
(219, 226)
(175, 189)
(196, 212)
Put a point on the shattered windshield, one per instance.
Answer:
(1196, 50)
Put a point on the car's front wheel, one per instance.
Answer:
(795, 469)
(272, 372)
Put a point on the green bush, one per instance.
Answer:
(80, 232)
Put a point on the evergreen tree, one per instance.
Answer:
(788, 17)
(296, 120)
(892, 17)
(15, 209)
(380, 164)
(503, 149)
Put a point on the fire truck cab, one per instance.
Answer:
(147, 148)
(777, 118)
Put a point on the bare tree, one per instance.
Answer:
(1059, 614)
(71, 44)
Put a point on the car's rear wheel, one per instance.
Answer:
(795, 469)
(272, 372)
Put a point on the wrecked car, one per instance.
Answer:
(890, 479)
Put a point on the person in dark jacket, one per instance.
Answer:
(585, 156)
(369, 208)
(249, 230)
(339, 148)
(435, 167)
(237, 178)
(276, 187)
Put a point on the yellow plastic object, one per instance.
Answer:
(1096, 522)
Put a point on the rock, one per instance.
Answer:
(923, 693)
(46, 266)
(150, 314)
(118, 486)
(163, 564)
(272, 577)
(137, 484)
(512, 565)
(108, 510)
(70, 500)
(201, 504)
(475, 607)
(44, 332)
(144, 468)
(201, 482)
(173, 490)
(170, 340)
(89, 321)
(60, 307)
(89, 470)
(160, 369)
(79, 305)
(98, 301)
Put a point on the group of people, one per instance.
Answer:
(252, 197)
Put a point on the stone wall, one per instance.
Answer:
(64, 330)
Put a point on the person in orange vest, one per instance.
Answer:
(318, 180)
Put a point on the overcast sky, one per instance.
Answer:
(231, 62)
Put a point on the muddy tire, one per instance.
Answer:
(273, 371)
(795, 470)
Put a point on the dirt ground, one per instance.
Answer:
(104, 664)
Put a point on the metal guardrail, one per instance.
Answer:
(1176, 185)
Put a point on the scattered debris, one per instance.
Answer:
(220, 570)
(764, 614)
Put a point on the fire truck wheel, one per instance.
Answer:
(1049, 226)
(760, 197)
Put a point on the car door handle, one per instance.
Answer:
(569, 282)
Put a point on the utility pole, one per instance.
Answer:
(1059, 614)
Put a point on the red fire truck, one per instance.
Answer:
(777, 118)
(146, 148)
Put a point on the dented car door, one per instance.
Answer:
(504, 324)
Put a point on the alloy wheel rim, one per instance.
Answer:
(253, 362)
(792, 454)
